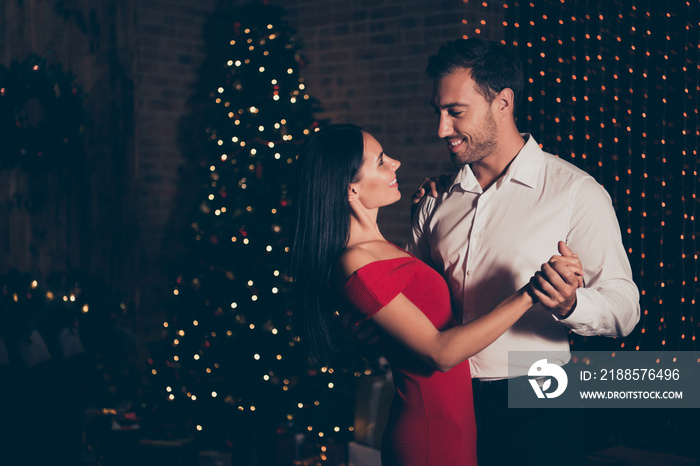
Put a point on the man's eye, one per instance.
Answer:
(455, 113)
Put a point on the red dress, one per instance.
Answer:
(431, 421)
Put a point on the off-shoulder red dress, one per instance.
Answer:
(431, 421)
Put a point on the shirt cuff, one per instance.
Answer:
(583, 314)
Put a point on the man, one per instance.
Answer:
(505, 213)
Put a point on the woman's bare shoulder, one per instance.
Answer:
(354, 258)
(357, 256)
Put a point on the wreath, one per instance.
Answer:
(41, 116)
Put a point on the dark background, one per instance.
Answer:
(611, 86)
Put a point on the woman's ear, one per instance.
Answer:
(352, 192)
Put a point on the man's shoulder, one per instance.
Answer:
(565, 175)
(557, 163)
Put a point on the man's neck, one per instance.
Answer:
(489, 169)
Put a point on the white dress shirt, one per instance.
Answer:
(487, 245)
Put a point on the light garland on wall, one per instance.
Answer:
(602, 91)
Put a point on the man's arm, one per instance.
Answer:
(609, 303)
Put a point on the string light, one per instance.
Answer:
(603, 89)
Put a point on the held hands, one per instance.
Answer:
(556, 283)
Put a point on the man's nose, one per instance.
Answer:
(444, 127)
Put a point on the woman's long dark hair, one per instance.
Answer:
(331, 160)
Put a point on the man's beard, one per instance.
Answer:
(481, 145)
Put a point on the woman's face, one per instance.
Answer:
(377, 185)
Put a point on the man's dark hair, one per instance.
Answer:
(493, 66)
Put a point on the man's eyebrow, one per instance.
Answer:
(450, 105)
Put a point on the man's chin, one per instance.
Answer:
(459, 159)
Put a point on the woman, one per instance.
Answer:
(339, 252)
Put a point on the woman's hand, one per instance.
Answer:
(556, 283)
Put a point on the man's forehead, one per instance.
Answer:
(453, 89)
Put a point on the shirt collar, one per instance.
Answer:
(524, 169)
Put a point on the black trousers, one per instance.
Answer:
(525, 436)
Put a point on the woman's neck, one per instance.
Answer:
(363, 227)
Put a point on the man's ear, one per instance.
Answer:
(352, 193)
(504, 100)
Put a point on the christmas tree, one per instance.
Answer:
(231, 366)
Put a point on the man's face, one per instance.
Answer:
(466, 121)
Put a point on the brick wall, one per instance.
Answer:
(366, 66)
(81, 217)
(170, 49)
(169, 52)
(367, 62)
(138, 61)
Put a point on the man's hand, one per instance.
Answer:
(556, 283)
(429, 183)
(366, 335)
(435, 186)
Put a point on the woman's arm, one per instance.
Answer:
(445, 349)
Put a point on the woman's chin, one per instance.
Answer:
(396, 198)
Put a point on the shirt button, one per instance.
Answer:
(470, 273)
(476, 235)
